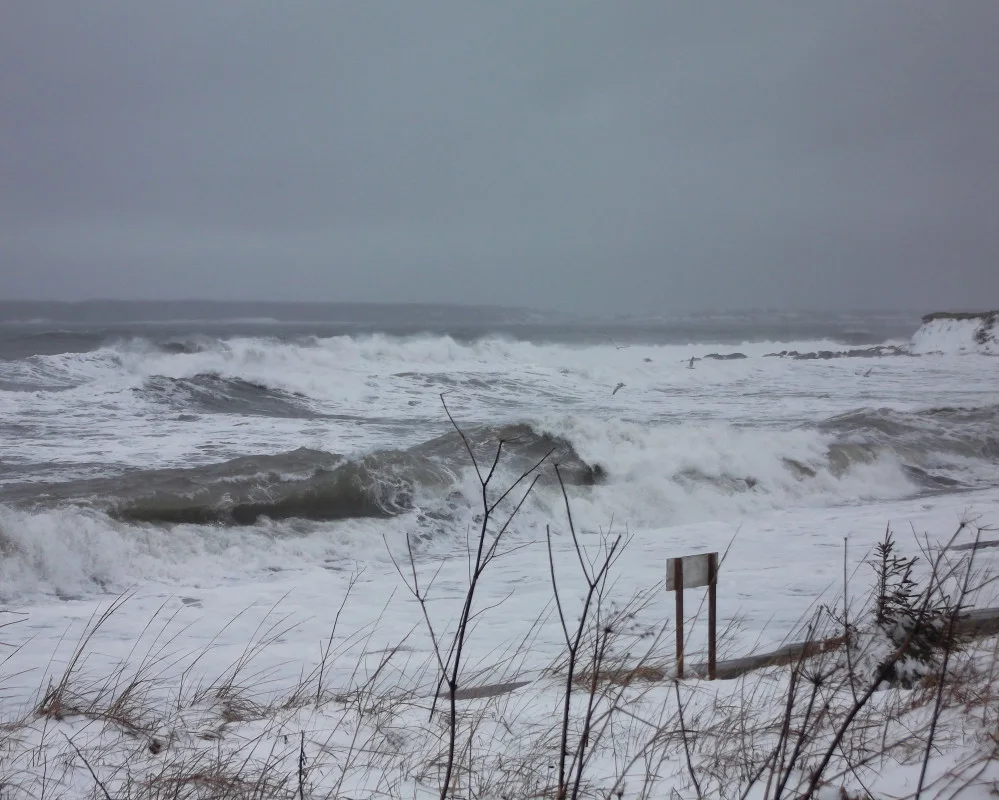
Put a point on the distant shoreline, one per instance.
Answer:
(958, 315)
(168, 311)
(104, 311)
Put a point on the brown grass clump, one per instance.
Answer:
(621, 677)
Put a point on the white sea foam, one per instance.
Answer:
(69, 552)
(678, 474)
(656, 476)
(726, 440)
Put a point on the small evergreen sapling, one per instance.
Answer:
(904, 617)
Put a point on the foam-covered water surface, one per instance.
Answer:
(127, 453)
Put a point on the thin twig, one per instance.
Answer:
(301, 767)
(686, 743)
(90, 769)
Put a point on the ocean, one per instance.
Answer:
(161, 441)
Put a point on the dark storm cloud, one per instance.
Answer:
(610, 155)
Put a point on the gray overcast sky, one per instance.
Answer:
(551, 153)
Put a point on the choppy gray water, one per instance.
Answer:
(115, 425)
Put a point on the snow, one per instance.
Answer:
(952, 336)
(217, 656)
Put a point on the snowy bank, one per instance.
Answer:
(160, 695)
(956, 333)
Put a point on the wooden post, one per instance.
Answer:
(678, 590)
(701, 569)
(712, 612)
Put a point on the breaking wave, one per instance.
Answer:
(64, 537)
(965, 432)
(938, 447)
(921, 449)
(310, 484)
(213, 393)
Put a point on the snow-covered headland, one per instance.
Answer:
(963, 332)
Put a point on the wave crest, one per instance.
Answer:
(313, 484)
(211, 392)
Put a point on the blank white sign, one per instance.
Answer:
(696, 571)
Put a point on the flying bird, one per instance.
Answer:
(616, 388)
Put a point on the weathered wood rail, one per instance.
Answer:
(975, 623)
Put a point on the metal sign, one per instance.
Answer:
(696, 571)
(690, 572)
